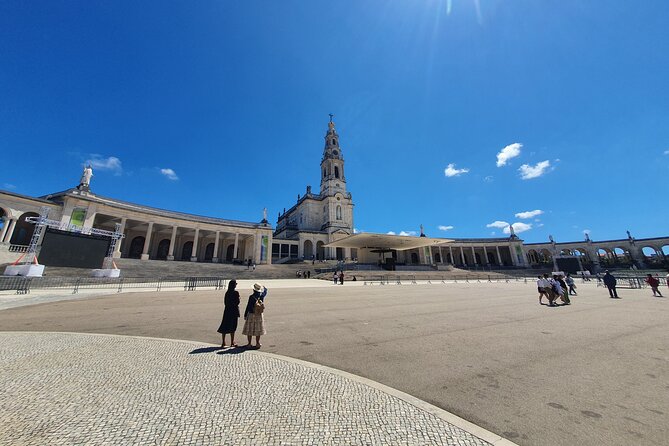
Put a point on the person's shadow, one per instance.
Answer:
(204, 350)
(231, 351)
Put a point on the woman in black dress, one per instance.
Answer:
(230, 314)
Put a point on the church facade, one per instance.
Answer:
(318, 218)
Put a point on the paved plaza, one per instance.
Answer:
(594, 372)
(61, 388)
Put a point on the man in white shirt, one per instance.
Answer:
(542, 284)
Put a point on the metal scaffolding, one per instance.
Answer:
(42, 222)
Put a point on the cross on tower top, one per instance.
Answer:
(331, 116)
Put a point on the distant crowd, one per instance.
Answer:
(561, 287)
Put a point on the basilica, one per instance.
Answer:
(319, 226)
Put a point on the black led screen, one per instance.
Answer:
(568, 264)
(61, 248)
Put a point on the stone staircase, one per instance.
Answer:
(453, 274)
(154, 269)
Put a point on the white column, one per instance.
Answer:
(514, 255)
(485, 256)
(90, 216)
(257, 240)
(147, 241)
(450, 251)
(117, 252)
(473, 256)
(10, 231)
(193, 256)
(462, 255)
(173, 241)
(67, 214)
(5, 226)
(499, 256)
(234, 257)
(215, 258)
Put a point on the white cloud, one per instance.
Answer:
(111, 164)
(169, 173)
(518, 227)
(489, 179)
(8, 186)
(390, 233)
(445, 228)
(497, 224)
(451, 171)
(528, 172)
(529, 214)
(407, 233)
(508, 152)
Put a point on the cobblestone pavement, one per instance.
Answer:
(66, 389)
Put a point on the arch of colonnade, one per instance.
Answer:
(641, 253)
(178, 241)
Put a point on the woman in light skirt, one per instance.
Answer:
(254, 321)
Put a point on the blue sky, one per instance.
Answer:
(220, 107)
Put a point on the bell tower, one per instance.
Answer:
(332, 164)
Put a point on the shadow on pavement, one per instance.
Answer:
(204, 350)
(232, 351)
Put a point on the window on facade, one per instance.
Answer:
(334, 141)
(338, 212)
(336, 172)
(324, 173)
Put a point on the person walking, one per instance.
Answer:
(554, 290)
(335, 276)
(654, 284)
(341, 277)
(610, 283)
(565, 291)
(542, 284)
(230, 314)
(254, 318)
(571, 284)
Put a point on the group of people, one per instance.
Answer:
(254, 318)
(303, 274)
(610, 283)
(338, 276)
(556, 287)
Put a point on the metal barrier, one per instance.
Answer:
(633, 282)
(23, 285)
(437, 278)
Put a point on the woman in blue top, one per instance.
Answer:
(254, 319)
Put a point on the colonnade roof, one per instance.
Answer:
(26, 197)
(385, 242)
(599, 242)
(74, 193)
(484, 240)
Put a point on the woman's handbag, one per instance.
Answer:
(259, 307)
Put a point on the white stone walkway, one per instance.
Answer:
(64, 389)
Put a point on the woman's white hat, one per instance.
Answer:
(257, 287)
